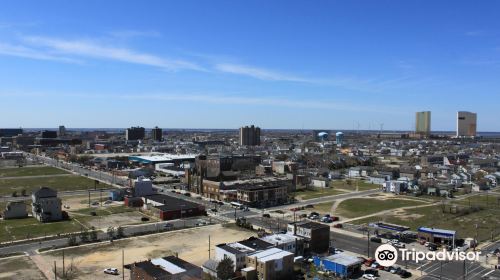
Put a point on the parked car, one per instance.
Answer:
(373, 272)
(369, 276)
(144, 219)
(168, 226)
(309, 206)
(112, 271)
(338, 226)
(376, 240)
(369, 262)
(214, 210)
(187, 194)
(266, 215)
(399, 245)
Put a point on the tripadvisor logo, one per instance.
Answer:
(386, 255)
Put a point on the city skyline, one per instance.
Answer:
(170, 65)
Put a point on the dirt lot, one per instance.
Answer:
(114, 220)
(19, 268)
(191, 245)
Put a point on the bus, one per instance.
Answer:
(237, 205)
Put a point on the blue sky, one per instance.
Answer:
(223, 64)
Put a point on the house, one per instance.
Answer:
(270, 264)
(237, 251)
(316, 236)
(166, 268)
(46, 206)
(15, 210)
(319, 182)
(117, 194)
(143, 187)
(342, 265)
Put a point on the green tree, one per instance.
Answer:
(111, 232)
(225, 269)
(72, 240)
(119, 232)
(84, 235)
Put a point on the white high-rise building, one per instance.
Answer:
(466, 124)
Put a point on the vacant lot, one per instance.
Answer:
(30, 227)
(353, 185)
(487, 219)
(191, 245)
(358, 207)
(19, 268)
(107, 216)
(60, 183)
(30, 171)
(316, 193)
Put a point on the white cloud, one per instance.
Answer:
(258, 73)
(22, 51)
(96, 50)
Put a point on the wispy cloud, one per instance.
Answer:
(260, 73)
(101, 51)
(273, 101)
(22, 51)
(128, 34)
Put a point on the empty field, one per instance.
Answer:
(482, 224)
(30, 171)
(19, 268)
(59, 183)
(316, 193)
(18, 229)
(190, 244)
(358, 207)
(352, 185)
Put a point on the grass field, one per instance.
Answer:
(358, 207)
(60, 183)
(361, 185)
(316, 193)
(30, 171)
(487, 219)
(30, 227)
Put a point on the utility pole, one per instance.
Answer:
(368, 243)
(123, 264)
(64, 274)
(55, 271)
(89, 199)
(209, 257)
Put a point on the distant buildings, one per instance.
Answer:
(157, 134)
(62, 131)
(466, 124)
(423, 123)
(46, 206)
(135, 133)
(48, 134)
(339, 138)
(10, 132)
(250, 136)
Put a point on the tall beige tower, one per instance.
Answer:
(466, 124)
(423, 123)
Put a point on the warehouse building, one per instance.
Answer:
(169, 208)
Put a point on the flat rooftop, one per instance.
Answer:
(171, 203)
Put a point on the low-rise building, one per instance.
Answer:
(166, 268)
(270, 264)
(316, 236)
(342, 265)
(169, 208)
